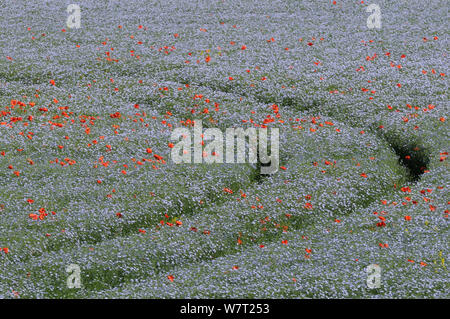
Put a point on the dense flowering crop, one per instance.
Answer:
(86, 176)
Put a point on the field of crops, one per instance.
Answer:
(86, 175)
